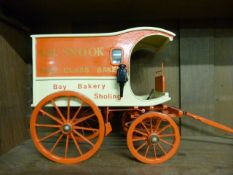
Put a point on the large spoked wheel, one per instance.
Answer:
(67, 134)
(153, 138)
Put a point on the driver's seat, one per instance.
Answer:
(160, 80)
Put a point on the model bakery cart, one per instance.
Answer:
(81, 80)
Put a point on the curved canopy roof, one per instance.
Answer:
(162, 31)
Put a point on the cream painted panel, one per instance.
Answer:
(103, 92)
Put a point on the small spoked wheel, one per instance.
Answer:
(153, 138)
(67, 134)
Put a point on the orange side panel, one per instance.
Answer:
(73, 57)
(83, 56)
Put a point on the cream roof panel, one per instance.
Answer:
(106, 34)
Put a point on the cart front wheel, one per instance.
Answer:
(64, 133)
(153, 138)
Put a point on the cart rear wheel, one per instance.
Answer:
(153, 138)
(67, 134)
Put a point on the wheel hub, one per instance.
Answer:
(154, 139)
(67, 128)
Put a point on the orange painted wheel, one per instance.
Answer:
(153, 138)
(63, 136)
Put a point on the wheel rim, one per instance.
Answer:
(153, 138)
(63, 137)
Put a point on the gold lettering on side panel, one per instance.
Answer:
(82, 52)
(71, 51)
(100, 51)
(76, 70)
(48, 71)
(106, 69)
(47, 52)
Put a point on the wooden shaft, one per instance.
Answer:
(209, 122)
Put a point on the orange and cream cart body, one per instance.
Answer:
(76, 92)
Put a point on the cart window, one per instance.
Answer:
(116, 56)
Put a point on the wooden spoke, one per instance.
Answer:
(89, 126)
(155, 153)
(83, 133)
(86, 111)
(67, 145)
(93, 132)
(138, 139)
(158, 122)
(144, 126)
(162, 149)
(58, 110)
(166, 135)
(140, 132)
(76, 144)
(84, 138)
(147, 149)
(164, 128)
(68, 108)
(48, 125)
(166, 142)
(141, 146)
(50, 116)
(56, 143)
(85, 128)
(83, 118)
(91, 119)
(50, 135)
(151, 125)
(77, 112)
